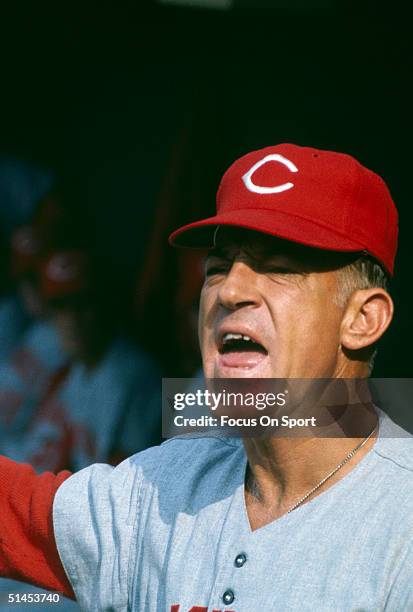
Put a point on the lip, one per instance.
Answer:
(241, 360)
(239, 363)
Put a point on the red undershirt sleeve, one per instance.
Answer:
(28, 550)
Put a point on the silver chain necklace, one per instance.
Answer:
(331, 474)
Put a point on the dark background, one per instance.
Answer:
(140, 107)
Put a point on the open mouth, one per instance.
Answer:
(238, 352)
(240, 343)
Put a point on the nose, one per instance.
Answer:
(239, 288)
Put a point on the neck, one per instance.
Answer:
(282, 470)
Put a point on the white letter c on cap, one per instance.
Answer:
(277, 188)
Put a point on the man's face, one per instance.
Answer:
(268, 309)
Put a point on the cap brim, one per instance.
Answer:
(274, 223)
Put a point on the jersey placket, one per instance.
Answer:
(232, 559)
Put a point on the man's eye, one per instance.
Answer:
(280, 270)
(218, 269)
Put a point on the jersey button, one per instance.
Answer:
(240, 560)
(228, 597)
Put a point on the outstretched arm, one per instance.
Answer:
(28, 549)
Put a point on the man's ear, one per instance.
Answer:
(367, 316)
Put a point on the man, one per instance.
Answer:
(106, 405)
(38, 356)
(281, 524)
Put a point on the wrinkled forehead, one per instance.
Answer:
(229, 241)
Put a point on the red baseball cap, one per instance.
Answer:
(318, 198)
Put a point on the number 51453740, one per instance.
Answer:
(15, 598)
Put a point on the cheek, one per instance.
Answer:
(309, 321)
(321, 327)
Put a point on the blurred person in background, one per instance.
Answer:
(25, 373)
(106, 405)
(101, 401)
(31, 354)
(30, 245)
(13, 318)
(22, 186)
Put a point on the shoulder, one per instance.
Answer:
(178, 457)
(391, 479)
(183, 459)
(394, 446)
(176, 464)
(201, 449)
(95, 511)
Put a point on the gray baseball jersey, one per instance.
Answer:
(167, 531)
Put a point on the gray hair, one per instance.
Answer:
(363, 273)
